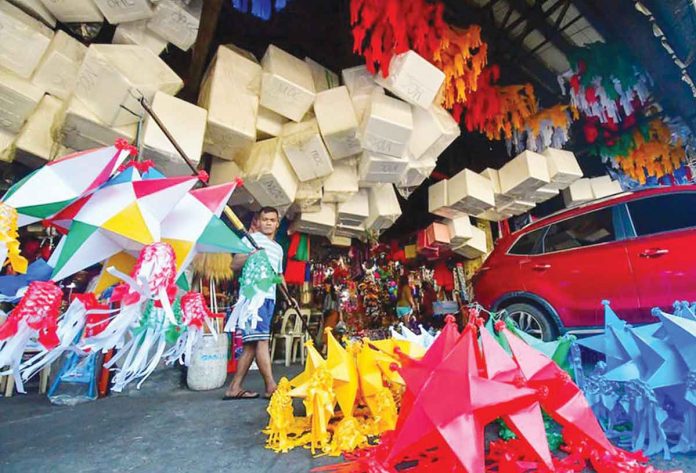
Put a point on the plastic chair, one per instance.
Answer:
(293, 335)
(7, 383)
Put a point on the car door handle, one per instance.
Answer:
(653, 253)
(541, 267)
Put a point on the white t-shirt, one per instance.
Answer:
(275, 256)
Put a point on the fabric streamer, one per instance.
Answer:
(9, 245)
(260, 8)
(548, 127)
(34, 319)
(257, 277)
(194, 315)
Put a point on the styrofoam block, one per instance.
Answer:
(323, 78)
(475, 247)
(494, 215)
(19, 99)
(377, 167)
(563, 168)
(186, 122)
(270, 178)
(578, 192)
(384, 207)
(120, 11)
(416, 172)
(74, 11)
(177, 21)
(38, 10)
(355, 210)
(108, 83)
(501, 200)
(80, 129)
(543, 194)
(223, 171)
(136, 32)
(460, 230)
(287, 86)
(526, 173)
(23, 40)
(232, 106)
(337, 122)
(337, 240)
(516, 207)
(342, 184)
(7, 148)
(350, 231)
(603, 186)
(317, 223)
(412, 78)
(305, 150)
(269, 123)
(35, 144)
(57, 72)
(434, 130)
(438, 203)
(310, 190)
(470, 193)
(387, 125)
(308, 206)
(358, 80)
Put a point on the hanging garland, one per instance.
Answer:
(497, 110)
(461, 55)
(548, 127)
(260, 8)
(604, 83)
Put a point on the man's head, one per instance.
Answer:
(267, 221)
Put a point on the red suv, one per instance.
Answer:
(636, 249)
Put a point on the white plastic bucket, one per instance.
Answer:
(208, 367)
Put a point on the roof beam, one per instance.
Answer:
(537, 17)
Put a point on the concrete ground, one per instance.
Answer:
(164, 427)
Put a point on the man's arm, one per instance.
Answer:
(238, 262)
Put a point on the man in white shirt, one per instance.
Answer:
(263, 228)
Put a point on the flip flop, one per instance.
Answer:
(268, 395)
(243, 394)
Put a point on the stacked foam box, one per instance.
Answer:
(35, 144)
(177, 21)
(80, 129)
(337, 240)
(523, 175)
(376, 167)
(319, 223)
(470, 193)
(337, 122)
(269, 177)
(19, 98)
(416, 172)
(578, 192)
(360, 84)
(474, 247)
(384, 207)
(387, 125)
(438, 235)
(438, 202)
(434, 130)
(74, 11)
(23, 40)
(413, 79)
(324, 79)
(563, 168)
(269, 124)
(460, 230)
(604, 186)
(229, 92)
(355, 210)
(57, 72)
(113, 76)
(186, 122)
(342, 184)
(287, 86)
(38, 10)
(305, 150)
(136, 32)
(308, 196)
(121, 11)
(7, 149)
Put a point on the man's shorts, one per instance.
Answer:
(263, 326)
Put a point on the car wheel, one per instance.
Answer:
(532, 320)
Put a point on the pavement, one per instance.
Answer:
(164, 427)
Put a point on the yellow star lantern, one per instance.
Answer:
(341, 365)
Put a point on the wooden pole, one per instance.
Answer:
(206, 31)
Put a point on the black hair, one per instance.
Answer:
(266, 210)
